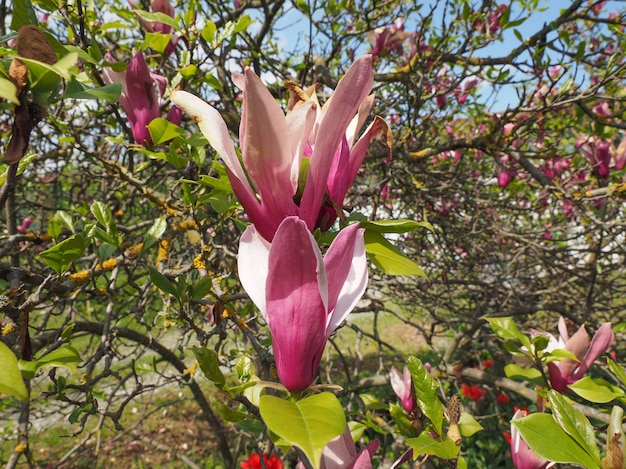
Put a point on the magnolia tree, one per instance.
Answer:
(236, 198)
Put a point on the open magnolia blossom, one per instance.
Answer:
(568, 371)
(274, 145)
(523, 456)
(302, 295)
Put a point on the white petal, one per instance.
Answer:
(252, 264)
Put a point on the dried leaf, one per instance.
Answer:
(32, 44)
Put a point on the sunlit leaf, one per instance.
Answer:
(65, 356)
(60, 256)
(309, 423)
(387, 257)
(11, 381)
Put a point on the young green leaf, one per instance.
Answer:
(210, 365)
(11, 381)
(387, 257)
(426, 390)
(309, 423)
(65, 356)
(546, 438)
(162, 283)
(574, 423)
(60, 256)
(425, 444)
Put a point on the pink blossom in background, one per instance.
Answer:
(402, 385)
(597, 153)
(388, 40)
(26, 222)
(141, 95)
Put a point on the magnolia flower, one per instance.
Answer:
(340, 452)
(141, 96)
(274, 145)
(302, 295)
(402, 385)
(568, 371)
(523, 456)
(386, 41)
(598, 153)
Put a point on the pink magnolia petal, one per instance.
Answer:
(578, 344)
(214, 128)
(563, 329)
(294, 304)
(600, 343)
(558, 380)
(346, 268)
(523, 456)
(339, 452)
(300, 122)
(407, 456)
(252, 264)
(358, 152)
(351, 91)
(400, 386)
(143, 98)
(266, 150)
(338, 176)
(357, 122)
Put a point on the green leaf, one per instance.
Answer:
(210, 365)
(513, 370)
(309, 423)
(387, 257)
(76, 90)
(231, 415)
(44, 77)
(222, 184)
(162, 283)
(395, 226)
(65, 356)
(401, 420)
(154, 233)
(22, 165)
(505, 328)
(425, 444)
(8, 91)
(574, 423)
(372, 402)
(103, 214)
(244, 368)
(23, 14)
(60, 256)
(162, 130)
(157, 41)
(426, 390)
(157, 17)
(201, 288)
(468, 425)
(65, 219)
(617, 370)
(208, 32)
(546, 438)
(11, 381)
(596, 390)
